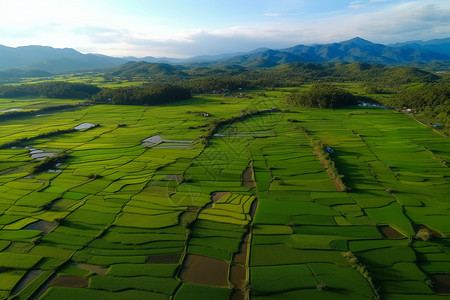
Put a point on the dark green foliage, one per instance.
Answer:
(14, 75)
(154, 95)
(50, 89)
(188, 218)
(326, 160)
(218, 84)
(226, 78)
(356, 264)
(50, 162)
(143, 69)
(431, 101)
(323, 95)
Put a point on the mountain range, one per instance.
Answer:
(27, 59)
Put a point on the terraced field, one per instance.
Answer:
(165, 203)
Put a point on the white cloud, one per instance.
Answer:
(66, 24)
(401, 22)
(361, 4)
(357, 5)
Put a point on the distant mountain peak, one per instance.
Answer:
(262, 49)
(58, 60)
(358, 41)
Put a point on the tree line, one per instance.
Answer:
(430, 102)
(50, 89)
(322, 95)
(421, 91)
(153, 95)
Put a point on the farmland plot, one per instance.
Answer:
(248, 211)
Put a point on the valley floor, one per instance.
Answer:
(249, 211)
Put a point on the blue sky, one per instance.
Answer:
(185, 28)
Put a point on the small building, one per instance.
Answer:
(438, 126)
(329, 150)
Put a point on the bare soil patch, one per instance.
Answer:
(237, 295)
(253, 208)
(237, 276)
(70, 281)
(205, 270)
(164, 259)
(389, 232)
(441, 283)
(44, 226)
(241, 256)
(217, 195)
(93, 268)
(247, 178)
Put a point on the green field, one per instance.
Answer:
(249, 202)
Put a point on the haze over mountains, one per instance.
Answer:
(24, 61)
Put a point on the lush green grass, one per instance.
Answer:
(146, 283)
(72, 293)
(120, 205)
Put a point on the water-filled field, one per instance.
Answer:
(167, 202)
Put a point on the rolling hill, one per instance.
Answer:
(437, 45)
(353, 50)
(52, 59)
(55, 60)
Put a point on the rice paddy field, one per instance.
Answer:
(32, 104)
(147, 205)
(98, 79)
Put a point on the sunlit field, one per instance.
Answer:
(229, 200)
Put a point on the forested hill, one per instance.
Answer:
(206, 79)
(219, 79)
(425, 93)
(353, 50)
(357, 49)
(14, 75)
(145, 69)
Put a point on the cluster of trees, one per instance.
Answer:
(322, 95)
(174, 83)
(431, 102)
(15, 75)
(222, 77)
(147, 70)
(50, 162)
(50, 89)
(388, 79)
(154, 95)
(218, 84)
